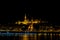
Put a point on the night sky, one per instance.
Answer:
(13, 11)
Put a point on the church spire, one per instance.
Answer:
(25, 17)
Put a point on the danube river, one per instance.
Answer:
(30, 36)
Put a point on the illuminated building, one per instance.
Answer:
(30, 25)
(26, 22)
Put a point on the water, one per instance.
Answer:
(33, 36)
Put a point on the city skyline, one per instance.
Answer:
(13, 18)
(15, 11)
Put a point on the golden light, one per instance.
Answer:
(25, 37)
(30, 28)
(18, 22)
(45, 34)
(39, 34)
(26, 21)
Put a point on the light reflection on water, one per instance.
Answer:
(39, 36)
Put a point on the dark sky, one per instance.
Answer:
(12, 11)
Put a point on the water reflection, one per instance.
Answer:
(25, 37)
(37, 36)
(41, 36)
